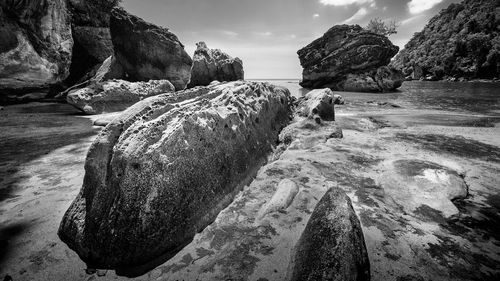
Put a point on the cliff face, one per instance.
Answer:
(35, 45)
(462, 41)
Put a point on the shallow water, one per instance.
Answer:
(473, 97)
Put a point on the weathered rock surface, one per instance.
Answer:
(115, 95)
(36, 44)
(212, 64)
(462, 41)
(347, 57)
(147, 51)
(332, 246)
(319, 105)
(416, 184)
(161, 172)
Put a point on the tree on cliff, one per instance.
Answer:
(378, 26)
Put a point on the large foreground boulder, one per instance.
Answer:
(349, 58)
(332, 246)
(115, 95)
(35, 44)
(162, 171)
(147, 51)
(212, 64)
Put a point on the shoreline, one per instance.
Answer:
(375, 134)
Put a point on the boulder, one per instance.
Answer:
(36, 44)
(162, 171)
(347, 57)
(332, 246)
(115, 95)
(212, 64)
(146, 51)
(319, 105)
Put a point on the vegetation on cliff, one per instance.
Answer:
(461, 41)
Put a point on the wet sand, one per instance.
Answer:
(44, 147)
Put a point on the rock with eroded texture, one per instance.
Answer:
(319, 104)
(212, 64)
(347, 58)
(164, 169)
(115, 95)
(332, 246)
(35, 45)
(148, 52)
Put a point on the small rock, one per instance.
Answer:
(319, 105)
(282, 198)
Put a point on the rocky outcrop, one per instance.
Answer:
(349, 58)
(36, 44)
(212, 64)
(332, 246)
(164, 169)
(319, 105)
(147, 51)
(462, 41)
(115, 95)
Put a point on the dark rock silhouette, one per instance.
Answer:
(332, 246)
(148, 52)
(349, 58)
(91, 36)
(213, 64)
(161, 172)
(462, 41)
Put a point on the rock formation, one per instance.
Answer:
(164, 169)
(462, 41)
(349, 58)
(91, 36)
(115, 95)
(147, 51)
(35, 44)
(319, 105)
(212, 64)
(332, 246)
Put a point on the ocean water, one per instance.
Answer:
(472, 97)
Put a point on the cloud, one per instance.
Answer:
(418, 6)
(267, 33)
(359, 15)
(230, 33)
(346, 2)
(316, 16)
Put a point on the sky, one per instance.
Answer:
(266, 34)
